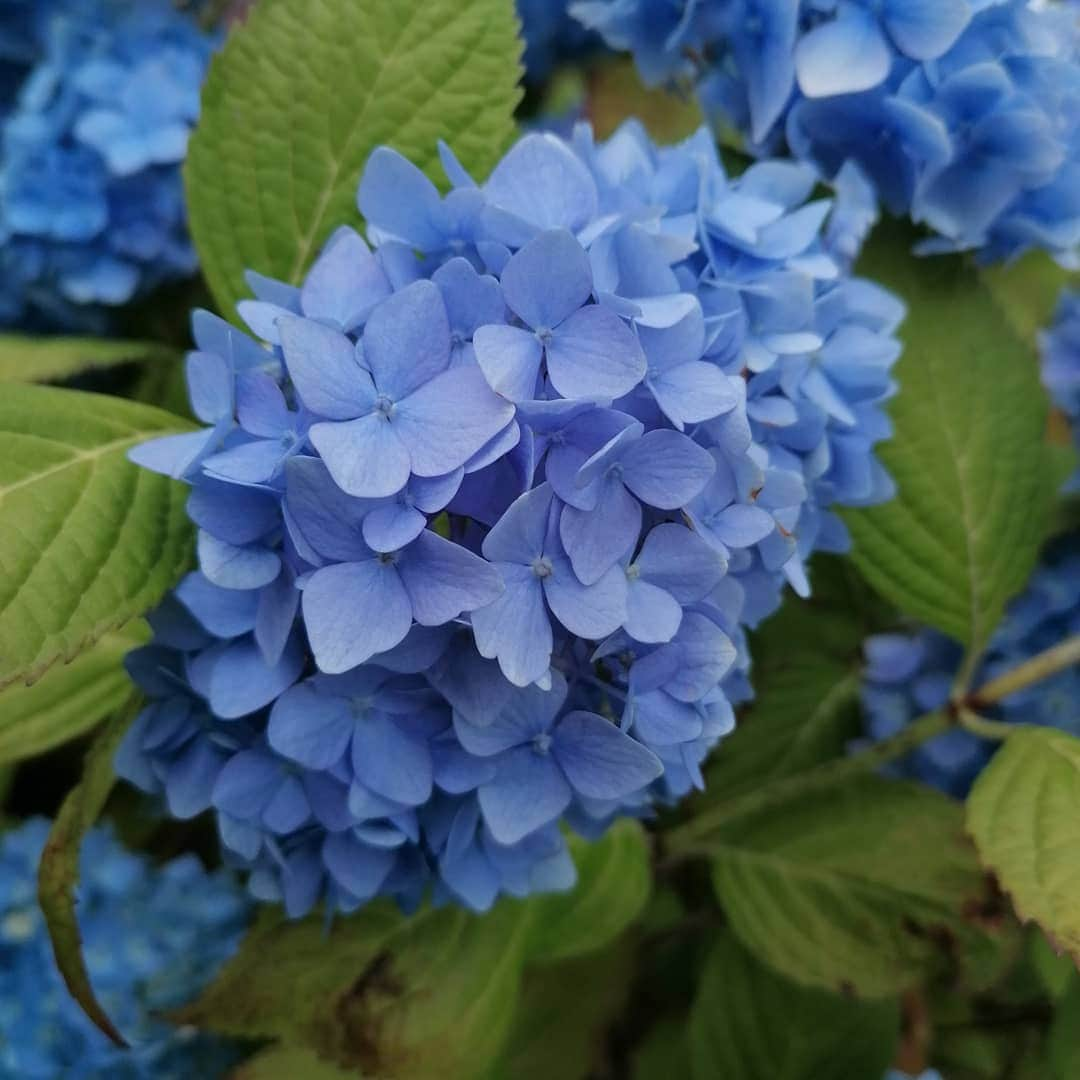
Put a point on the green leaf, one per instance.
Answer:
(556, 1035)
(431, 996)
(1028, 290)
(614, 881)
(663, 1053)
(289, 1063)
(89, 540)
(48, 359)
(302, 94)
(749, 1023)
(969, 455)
(1063, 1046)
(1023, 814)
(69, 699)
(58, 873)
(867, 887)
(807, 666)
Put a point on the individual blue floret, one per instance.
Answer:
(1060, 349)
(91, 200)
(152, 938)
(908, 676)
(485, 516)
(963, 115)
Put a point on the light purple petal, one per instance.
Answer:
(510, 359)
(528, 792)
(322, 365)
(234, 567)
(449, 419)
(547, 280)
(345, 283)
(357, 867)
(741, 526)
(397, 198)
(366, 457)
(241, 681)
(678, 561)
(310, 728)
(599, 760)
(590, 611)
(407, 340)
(597, 539)
(926, 29)
(519, 535)
(515, 629)
(666, 469)
(652, 615)
(338, 603)
(390, 761)
(393, 526)
(594, 354)
(694, 393)
(444, 579)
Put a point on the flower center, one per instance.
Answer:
(541, 567)
(384, 406)
(542, 743)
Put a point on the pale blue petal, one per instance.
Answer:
(926, 29)
(322, 365)
(594, 354)
(366, 457)
(234, 567)
(666, 469)
(590, 611)
(677, 560)
(390, 761)
(515, 629)
(345, 283)
(652, 615)
(843, 56)
(547, 280)
(510, 359)
(337, 604)
(519, 535)
(597, 539)
(358, 868)
(310, 728)
(397, 198)
(444, 579)
(528, 792)
(599, 760)
(393, 526)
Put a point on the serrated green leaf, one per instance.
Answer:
(807, 665)
(564, 1015)
(48, 359)
(1023, 814)
(89, 540)
(865, 888)
(70, 699)
(302, 94)
(748, 1022)
(289, 1063)
(58, 872)
(969, 455)
(614, 882)
(431, 996)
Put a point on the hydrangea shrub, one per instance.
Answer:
(577, 585)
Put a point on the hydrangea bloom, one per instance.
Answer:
(910, 675)
(91, 200)
(153, 936)
(482, 521)
(1060, 347)
(551, 36)
(963, 114)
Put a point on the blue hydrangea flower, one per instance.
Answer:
(91, 200)
(910, 675)
(963, 115)
(485, 516)
(1060, 348)
(552, 37)
(152, 938)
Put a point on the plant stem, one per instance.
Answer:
(1027, 674)
(985, 729)
(693, 836)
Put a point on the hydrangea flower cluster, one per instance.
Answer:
(1060, 348)
(91, 200)
(964, 114)
(153, 936)
(483, 517)
(908, 676)
(551, 36)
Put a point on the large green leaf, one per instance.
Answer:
(969, 456)
(564, 1015)
(58, 873)
(1063, 1050)
(751, 1024)
(47, 359)
(69, 699)
(614, 881)
(303, 93)
(1023, 813)
(807, 665)
(401, 999)
(866, 887)
(1028, 290)
(89, 540)
(289, 1063)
